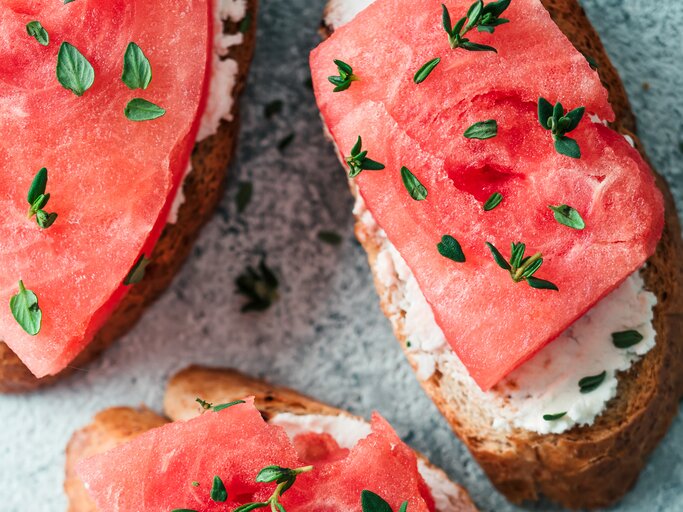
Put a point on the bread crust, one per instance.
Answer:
(202, 189)
(119, 425)
(586, 467)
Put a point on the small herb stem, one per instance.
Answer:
(305, 469)
(520, 271)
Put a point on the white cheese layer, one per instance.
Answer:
(546, 384)
(347, 431)
(223, 79)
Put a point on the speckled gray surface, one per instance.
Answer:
(326, 335)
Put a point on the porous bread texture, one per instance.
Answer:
(202, 190)
(586, 467)
(119, 425)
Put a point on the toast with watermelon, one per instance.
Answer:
(320, 434)
(555, 383)
(94, 145)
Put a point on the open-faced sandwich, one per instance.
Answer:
(219, 451)
(118, 120)
(525, 252)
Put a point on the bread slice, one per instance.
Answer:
(586, 467)
(118, 425)
(202, 190)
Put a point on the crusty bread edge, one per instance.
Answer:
(118, 425)
(593, 466)
(202, 189)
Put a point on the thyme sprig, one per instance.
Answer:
(521, 267)
(345, 78)
(37, 200)
(284, 477)
(485, 18)
(559, 123)
(359, 161)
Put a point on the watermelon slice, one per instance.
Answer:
(155, 472)
(111, 180)
(493, 323)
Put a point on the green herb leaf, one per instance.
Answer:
(425, 70)
(372, 502)
(74, 71)
(450, 248)
(137, 71)
(205, 405)
(345, 78)
(446, 19)
(541, 284)
(588, 384)
(493, 201)
(358, 161)
(568, 216)
(416, 190)
(137, 273)
(175, 509)
(482, 130)
(273, 473)
(574, 117)
(243, 198)
(25, 310)
(545, 112)
(554, 417)
(218, 492)
(517, 251)
(218, 408)
(498, 257)
(330, 237)
(38, 186)
(35, 29)
(195, 484)
(139, 109)
(38, 199)
(568, 147)
(404, 507)
(68, 1)
(259, 285)
(476, 47)
(626, 339)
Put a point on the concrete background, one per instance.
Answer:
(326, 335)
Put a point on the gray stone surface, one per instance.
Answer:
(326, 335)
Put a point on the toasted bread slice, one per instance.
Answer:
(591, 466)
(202, 190)
(118, 425)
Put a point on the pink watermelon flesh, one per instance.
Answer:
(110, 179)
(492, 323)
(154, 472)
